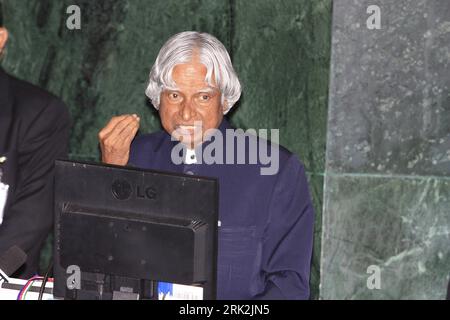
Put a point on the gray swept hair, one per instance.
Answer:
(179, 49)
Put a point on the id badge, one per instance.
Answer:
(3, 198)
(3, 191)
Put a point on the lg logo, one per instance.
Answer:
(123, 190)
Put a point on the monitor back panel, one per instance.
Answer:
(135, 223)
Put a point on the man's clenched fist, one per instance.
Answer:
(115, 139)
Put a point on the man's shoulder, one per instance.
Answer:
(289, 162)
(31, 99)
(272, 159)
(271, 147)
(261, 138)
(35, 109)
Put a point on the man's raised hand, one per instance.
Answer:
(116, 137)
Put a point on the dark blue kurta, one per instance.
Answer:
(267, 221)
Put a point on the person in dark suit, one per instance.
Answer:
(265, 212)
(34, 128)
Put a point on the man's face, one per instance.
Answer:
(193, 102)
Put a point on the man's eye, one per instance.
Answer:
(204, 97)
(173, 95)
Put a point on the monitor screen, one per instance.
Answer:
(124, 229)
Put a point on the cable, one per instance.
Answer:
(19, 296)
(41, 291)
(27, 286)
(21, 290)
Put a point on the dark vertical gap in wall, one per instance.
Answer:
(312, 168)
(307, 122)
(1, 14)
(43, 13)
(327, 97)
(231, 36)
(231, 30)
(46, 70)
(102, 21)
(62, 22)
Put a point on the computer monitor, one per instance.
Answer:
(123, 228)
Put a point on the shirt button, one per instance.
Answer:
(189, 172)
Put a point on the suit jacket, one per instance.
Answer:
(267, 221)
(34, 127)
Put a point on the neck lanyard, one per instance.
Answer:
(2, 162)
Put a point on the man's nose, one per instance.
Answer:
(187, 110)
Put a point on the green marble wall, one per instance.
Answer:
(387, 187)
(280, 50)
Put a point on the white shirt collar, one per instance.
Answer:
(190, 157)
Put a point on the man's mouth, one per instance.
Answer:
(188, 128)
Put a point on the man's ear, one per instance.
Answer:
(225, 106)
(3, 37)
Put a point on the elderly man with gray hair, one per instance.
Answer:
(266, 220)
